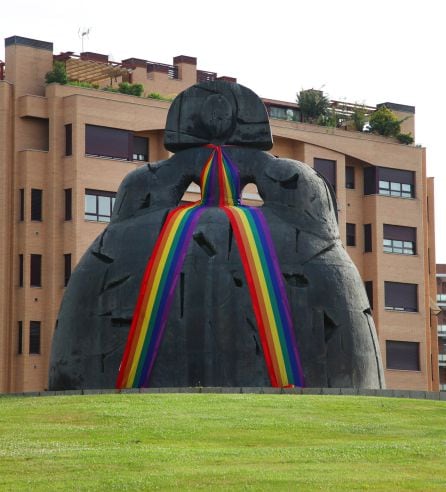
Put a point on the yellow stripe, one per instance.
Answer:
(207, 170)
(265, 296)
(148, 309)
(153, 291)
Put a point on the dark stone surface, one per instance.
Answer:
(211, 336)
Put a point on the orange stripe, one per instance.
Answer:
(138, 317)
(258, 292)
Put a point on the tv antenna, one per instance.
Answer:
(82, 33)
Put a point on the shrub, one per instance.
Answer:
(57, 74)
(405, 138)
(109, 88)
(157, 95)
(86, 85)
(131, 89)
(313, 105)
(384, 122)
(359, 118)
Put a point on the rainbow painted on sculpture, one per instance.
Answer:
(220, 184)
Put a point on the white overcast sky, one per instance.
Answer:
(358, 51)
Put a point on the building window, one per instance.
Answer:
(114, 143)
(367, 238)
(404, 356)
(36, 204)
(68, 204)
(351, 234)
(36, 271)
(21, 205)
(20, 338)
(140, 148)
(68, 139)
(389, 182)
(20, 270)
(107, 142)
(399, 239)
(67, 268)
(401, 296)
(34, 337)
(283, 113)
(350, 177)
(327, 168)
(391, 188)
(369, 290)
(99, 205)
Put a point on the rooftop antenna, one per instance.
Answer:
(82, 33)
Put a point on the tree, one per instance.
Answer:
(384, 122)
(313, 105)
(57, 74)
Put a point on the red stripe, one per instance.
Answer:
(144, 292)
(253, 282)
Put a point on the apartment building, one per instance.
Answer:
(441, 303)
(64, 149)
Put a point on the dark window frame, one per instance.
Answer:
(21, 270)
(35, 279)
(350, 234)
(67, 268)
(399, 239)
(368, 244)
(368, 284)
(350, 177)
(20, 338)
(328, 169)
(68, 194)
(35, 337)
(21, 204)
(403, 355)
(95, 215)
(68, 139)
(401, 297)
(36, 205)
(395, 189)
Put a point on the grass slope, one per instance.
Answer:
(186, 441)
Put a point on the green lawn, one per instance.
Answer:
(187, 441)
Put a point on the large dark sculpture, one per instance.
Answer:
(211, 336)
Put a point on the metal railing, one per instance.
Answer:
(203, 76)
(170, 70)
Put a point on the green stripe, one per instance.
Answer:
(160, 288)
(272, 295)
(229, 180)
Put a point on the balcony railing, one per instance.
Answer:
(170, 70)
(203, 76)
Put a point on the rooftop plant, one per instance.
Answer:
(131, 89)
(314, 106)
(57, 74)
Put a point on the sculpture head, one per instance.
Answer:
(218, 112)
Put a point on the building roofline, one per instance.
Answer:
(32, 43)
(397, 107)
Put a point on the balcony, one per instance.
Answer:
(33, 106)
